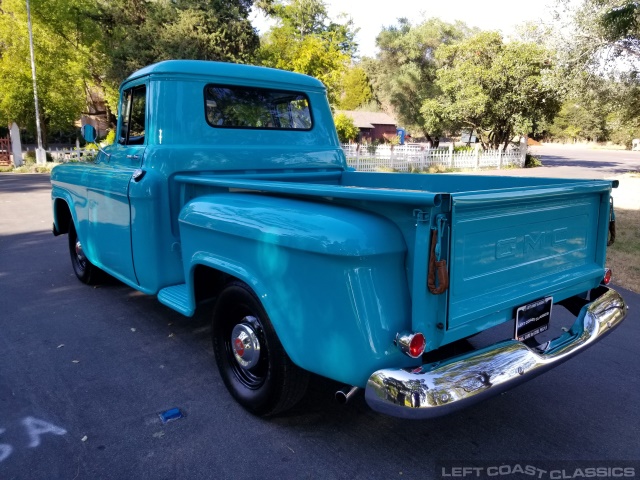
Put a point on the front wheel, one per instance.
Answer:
(252, 362)
(86, 271)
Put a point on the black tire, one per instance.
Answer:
(271, 383)
(86, 271)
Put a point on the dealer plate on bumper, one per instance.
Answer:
(533, 318)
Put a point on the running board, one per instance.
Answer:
(179, 298)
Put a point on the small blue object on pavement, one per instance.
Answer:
(169, 415)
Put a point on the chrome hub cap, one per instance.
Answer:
(79, 251)
(245, 344)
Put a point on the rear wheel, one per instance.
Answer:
(86, 271)
(252, 362)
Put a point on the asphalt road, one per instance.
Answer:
(576, 162)
(84, 372)
(586, 162)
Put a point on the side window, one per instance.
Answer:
(125, 108)
(133, 110)
(138, 108)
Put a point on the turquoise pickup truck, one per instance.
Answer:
(227, 186)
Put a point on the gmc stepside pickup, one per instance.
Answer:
(227, 182)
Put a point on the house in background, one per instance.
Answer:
(372, 125)
(96, 115)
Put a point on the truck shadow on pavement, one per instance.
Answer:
(617, 168)
(24, 182)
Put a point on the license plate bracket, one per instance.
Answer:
(533, 318)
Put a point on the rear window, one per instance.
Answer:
(256, 108)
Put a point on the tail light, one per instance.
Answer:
(412, 344)
(607, 276)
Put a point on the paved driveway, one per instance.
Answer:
(569, 161)
(581, 162)
(84, 372)
(576, 162)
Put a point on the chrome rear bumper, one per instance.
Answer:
(439, 388)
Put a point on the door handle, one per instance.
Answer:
(137, 175)
(133, 157)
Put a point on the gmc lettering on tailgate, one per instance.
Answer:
(533, 241)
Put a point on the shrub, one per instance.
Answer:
(110, 138)
(463, 148)
(532, 162)
(30, 157)
(344, 127)
(437, 169)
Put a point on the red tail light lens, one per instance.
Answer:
(416, 347)
(607, 276)
(412, 344)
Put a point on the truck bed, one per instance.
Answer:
(507, 241)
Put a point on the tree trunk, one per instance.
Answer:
(428, 137)
(507, 139)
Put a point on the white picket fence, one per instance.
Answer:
(68, 154)
(61, 155)
(406, 158)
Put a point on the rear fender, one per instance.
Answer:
(62, 211)
(331, 278)
(66, 181)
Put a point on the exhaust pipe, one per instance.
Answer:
(345, 393)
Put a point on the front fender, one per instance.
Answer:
(331, 278)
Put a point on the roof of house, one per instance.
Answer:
(368, 119)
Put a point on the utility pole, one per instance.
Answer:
(41, 155)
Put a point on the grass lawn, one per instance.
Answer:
(623, 257)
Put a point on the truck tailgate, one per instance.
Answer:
(513, 246)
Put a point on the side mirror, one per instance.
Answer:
(88, 133)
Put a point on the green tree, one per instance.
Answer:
(404, 73)
(623, 119)
(62, 46)
(356, 90)
(588, 102)
(605, 30)
(345, 128)
(306, 41)
(575, 122)
(85, 49)
(605, 41)
(138, 32)
(498, 89)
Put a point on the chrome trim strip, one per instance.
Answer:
(439, 388)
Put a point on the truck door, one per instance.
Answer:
(109, 208)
